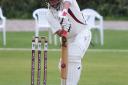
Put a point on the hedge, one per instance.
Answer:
(23, 8)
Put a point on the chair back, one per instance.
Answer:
(93, 18)
(2, 19)
(41, 23)
(40, 18)
(94, 21)
(1, 12)
(2, 26)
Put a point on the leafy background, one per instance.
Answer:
(110, 9)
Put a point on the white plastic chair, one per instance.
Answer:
(2, 26)
(91, 17)
(41, 22)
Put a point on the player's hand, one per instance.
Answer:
(62, 33)
(66, 25)
(63, 13)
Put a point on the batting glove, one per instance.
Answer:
(66, 24)
(62, 33)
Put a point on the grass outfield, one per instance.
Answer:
(107, 66)
(99, 68)
(113, 39)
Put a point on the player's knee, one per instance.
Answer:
(76, 60)
(74, 70)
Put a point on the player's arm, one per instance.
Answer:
(64, 48)
(67, 5)
(63, 14)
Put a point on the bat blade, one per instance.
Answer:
(64, 58)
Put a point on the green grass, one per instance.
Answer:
(113, 39)
(105, 68)
(16, 67)
(99, 68)
(21, 40)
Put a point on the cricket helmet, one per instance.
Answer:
(54, 3)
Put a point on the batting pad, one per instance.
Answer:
(74, 71)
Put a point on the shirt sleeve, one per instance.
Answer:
(54, 23)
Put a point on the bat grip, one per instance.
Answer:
(64, 41)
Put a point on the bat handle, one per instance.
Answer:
(64, 41)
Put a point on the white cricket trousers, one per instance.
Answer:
(77, 47)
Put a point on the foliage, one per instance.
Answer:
(24, 8)
(107, 8)
(19, 8)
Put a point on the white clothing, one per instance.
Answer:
(76, 27)
(79, 38)
(76, 50)
(78, 45)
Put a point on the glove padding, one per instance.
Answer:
(66, 24)
(65, 21)
(62, 33)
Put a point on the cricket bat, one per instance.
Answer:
(64, 58)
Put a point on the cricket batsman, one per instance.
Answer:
(66, 20)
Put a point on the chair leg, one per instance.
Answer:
(102, 32)
(101, 36)
(55, 40)
(36, 31)
(97, 35)
(4, 37)
(50, 38)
